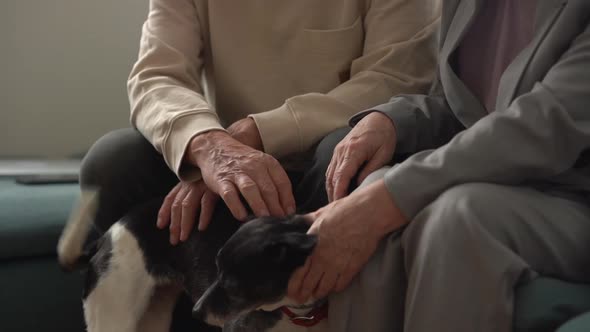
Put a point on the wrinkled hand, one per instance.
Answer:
(230, 167)
(370, 143)
(246, 132)
(180, 207)
(348, 232)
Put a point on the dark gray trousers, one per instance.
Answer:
(129, 171)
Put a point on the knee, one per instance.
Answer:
(113, 156)
(456, 219)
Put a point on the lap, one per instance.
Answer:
(550, 232)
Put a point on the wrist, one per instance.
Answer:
(387, 216)
(246, 132)
(200, 145)
(381, 119)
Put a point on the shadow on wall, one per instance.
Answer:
(64, 66)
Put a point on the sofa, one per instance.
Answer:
(37, 296)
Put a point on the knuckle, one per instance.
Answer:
(349, 158)
(209, 201)
(170, 198)
(338, 175)
(269, 159)
(227, 193)
(267, 189)
(284, 183)
(354, 144)
(247, 185)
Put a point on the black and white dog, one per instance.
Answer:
(236, 274)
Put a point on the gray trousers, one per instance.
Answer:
(455, 266)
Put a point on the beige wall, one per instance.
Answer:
(63, 67)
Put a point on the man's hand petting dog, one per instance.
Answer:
(348, 232)
(179, 209)
(370, 143)
(231, 164)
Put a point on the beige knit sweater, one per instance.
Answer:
(299, 68)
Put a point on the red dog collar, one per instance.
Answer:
(313, 317)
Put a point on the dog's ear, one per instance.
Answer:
(292, 244)
(301, 242)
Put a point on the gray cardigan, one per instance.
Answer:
(539, 134)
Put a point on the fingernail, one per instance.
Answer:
(182, 235)
(265, 213)
(159, 222)
(173, 240)
(291, 210)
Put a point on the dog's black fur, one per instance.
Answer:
(191, 262)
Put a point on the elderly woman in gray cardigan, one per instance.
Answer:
(496, 190)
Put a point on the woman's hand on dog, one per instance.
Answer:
(369, 145)
(180, 207)
(348, 232)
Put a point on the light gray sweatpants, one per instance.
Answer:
(455, 266)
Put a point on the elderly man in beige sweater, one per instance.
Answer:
(233, 97)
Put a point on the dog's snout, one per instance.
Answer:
(213, 306)
(203, 313)
(199, 311)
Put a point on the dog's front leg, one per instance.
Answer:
(158, 316)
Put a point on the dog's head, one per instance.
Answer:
(254, 267)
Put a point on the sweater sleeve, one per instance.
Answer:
(167, 102)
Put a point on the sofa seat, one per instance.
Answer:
(32, 217)
(545, 303)
(578, 324)
(35, 295)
